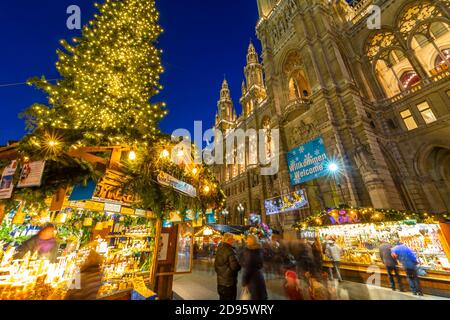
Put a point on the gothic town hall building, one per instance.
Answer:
(378, 95)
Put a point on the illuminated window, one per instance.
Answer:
(426, 112)
(408, 119)
(409, 79)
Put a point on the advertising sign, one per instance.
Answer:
(293, 201)
(6, 184)
(183, 187)
(307, 162)
(31, 175)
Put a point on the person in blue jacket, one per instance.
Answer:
(409, 261)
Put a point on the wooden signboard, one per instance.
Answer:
(109, 189)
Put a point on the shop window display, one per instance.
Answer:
(360, 242)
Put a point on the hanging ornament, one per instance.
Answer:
(19, 217)
(99, 226)
(87, 222)
(2, 212)
(61, 218)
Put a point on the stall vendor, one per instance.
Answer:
(44, 243)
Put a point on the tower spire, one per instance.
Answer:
(252, 56)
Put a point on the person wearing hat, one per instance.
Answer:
(292, 286)
(227, 268)
(44, 243)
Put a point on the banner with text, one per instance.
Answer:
(289, 202)
(307, 162)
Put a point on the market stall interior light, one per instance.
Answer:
(164, 154)
(208, 232)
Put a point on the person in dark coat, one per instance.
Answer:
(227, 268)
(90, 279)
(44, 243)
(253, 277)
(391, 265)
(305, 258)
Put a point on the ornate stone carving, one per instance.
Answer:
(363, 158)
(292, 62)
(303, 132)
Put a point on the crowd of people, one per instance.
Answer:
(301, 265)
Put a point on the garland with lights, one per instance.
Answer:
(142, 173)
(350, 215)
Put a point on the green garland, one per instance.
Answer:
(350, 215)
(142, 175)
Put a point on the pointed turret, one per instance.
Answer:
(253, 88)
(226, 112)
(253, 70)
(252, 56)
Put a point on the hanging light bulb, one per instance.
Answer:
(132, 155)
(165, 154)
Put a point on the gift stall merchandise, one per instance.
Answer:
(360, 242)
(125, 242)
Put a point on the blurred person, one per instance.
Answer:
(227, 268)
(318, 258)
(408, 259)
(305, 257)
(44, 243)
(334, 252)
(253, 277)
(391, 264)
(317, 290)
(196, 251)
(90, 277)
(292, 286)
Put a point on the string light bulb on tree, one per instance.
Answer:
(108, 77)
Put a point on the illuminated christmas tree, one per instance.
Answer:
(108, 77)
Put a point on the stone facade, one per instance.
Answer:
(380, 99)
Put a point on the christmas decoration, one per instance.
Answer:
(350, 215)
(108, 76)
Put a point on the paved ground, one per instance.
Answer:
(201, 285)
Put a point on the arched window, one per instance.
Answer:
(298, 86)
(390, 62)
(415, 14)
(409, 78)
(297, 83)
(428, 44)
(394, 71)
(440, 60)
(423, 24)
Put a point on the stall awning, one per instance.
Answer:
(231, 229)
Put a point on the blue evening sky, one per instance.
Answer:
(203, 40)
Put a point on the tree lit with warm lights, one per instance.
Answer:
(108, 76)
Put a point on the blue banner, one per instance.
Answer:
(210, 218)
(83, 192)
(307, 162)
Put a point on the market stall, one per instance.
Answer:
(126, 242)
(359, 232)
(206, 240)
